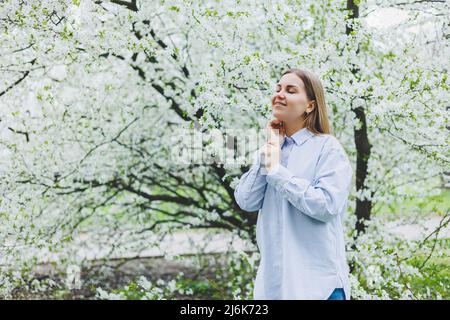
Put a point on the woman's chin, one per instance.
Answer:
(278, 114)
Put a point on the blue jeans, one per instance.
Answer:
(337, 294)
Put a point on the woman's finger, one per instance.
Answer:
(275, 124)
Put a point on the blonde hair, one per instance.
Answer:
(317, 120)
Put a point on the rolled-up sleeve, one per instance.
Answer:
(249, 193)
(326, 195)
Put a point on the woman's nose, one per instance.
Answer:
(279, 95)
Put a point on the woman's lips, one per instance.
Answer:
(279, 105)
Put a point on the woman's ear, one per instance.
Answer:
(311, 106)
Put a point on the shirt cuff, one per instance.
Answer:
(279, 175)
(274, 170)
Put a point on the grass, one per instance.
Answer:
(437, 204)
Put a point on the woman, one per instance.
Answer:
(299, 183)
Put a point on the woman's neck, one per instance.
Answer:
(293, 127)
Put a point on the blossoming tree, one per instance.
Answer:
(92, 93)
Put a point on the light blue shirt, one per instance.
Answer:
(301, 205)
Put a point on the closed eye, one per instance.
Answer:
(289, 91)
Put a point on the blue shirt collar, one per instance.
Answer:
(301, 136)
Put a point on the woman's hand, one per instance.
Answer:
(271, 151)
(270, 156)
(275, 132)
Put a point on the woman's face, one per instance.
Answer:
(289, 101)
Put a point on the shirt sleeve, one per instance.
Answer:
(326, 195)
(250, 191)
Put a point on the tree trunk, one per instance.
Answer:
(363, 207)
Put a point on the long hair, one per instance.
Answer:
(317, 120)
